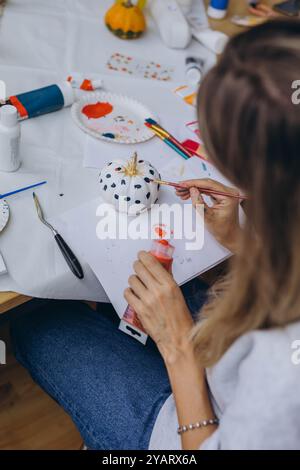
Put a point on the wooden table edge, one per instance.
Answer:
(10, 300)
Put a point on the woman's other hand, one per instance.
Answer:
(160, 306)
(222, 216)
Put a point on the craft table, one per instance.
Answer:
(9, 300)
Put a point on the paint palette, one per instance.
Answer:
(4, 214)
(113, 118)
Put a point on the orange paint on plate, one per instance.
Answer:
(97, 110)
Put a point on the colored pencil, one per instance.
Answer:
(155, 125)
(16, 191)
(202, 190)
(167, 141)
(169, 136)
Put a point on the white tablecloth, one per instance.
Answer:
(42, 42)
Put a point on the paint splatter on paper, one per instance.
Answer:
(162, 231)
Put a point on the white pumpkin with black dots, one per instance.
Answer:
(129, 186)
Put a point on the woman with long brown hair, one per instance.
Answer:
(234, 374)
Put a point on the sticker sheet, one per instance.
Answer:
(139, 68)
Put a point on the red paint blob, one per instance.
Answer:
(97, 110)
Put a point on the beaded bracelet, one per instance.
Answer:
(198, 425)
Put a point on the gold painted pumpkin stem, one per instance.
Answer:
(131, 168)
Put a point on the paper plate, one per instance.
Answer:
(4, 214)
(113, 118)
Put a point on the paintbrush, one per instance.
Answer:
(166, 140)
(170, 137)
(209, 192)
(20, 190)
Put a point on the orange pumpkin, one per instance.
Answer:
(125, 20)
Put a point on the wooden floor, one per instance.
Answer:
(29, 419)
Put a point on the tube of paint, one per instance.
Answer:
(213, 40)
(85, 84)
(43, 100)
(130, 323)
(194, 70)
(217, 9)
(51, 98)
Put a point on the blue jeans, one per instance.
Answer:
(112, 386)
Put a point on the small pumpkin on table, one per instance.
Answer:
(125, 20)
(129, 186)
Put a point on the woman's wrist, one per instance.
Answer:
(232, 240)
(178, 353)
(181, 364)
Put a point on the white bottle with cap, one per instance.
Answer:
(217, 9)
(10, 134)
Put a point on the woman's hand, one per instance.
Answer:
(160, 306)
(222, 217)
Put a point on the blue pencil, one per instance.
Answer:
(173, 146)
(16, 191)
(162, 135)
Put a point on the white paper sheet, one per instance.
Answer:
(112, 259)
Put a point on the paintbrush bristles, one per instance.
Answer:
(168, 183)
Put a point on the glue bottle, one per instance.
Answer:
(217, 9)
(130, 323)
(10, 134)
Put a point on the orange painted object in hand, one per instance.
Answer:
(163, 252)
